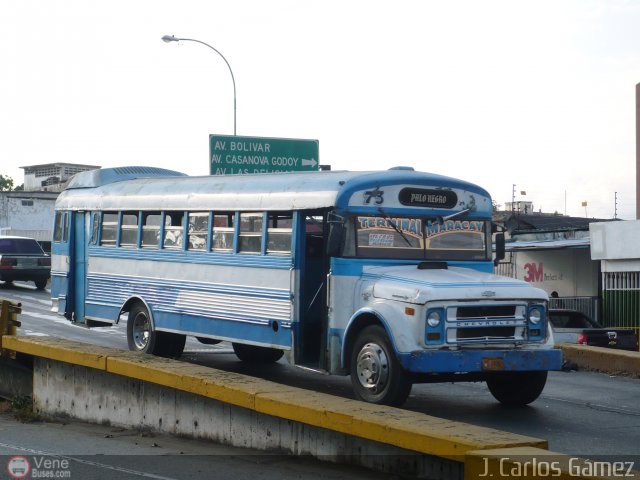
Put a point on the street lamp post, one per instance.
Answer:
(171, 38)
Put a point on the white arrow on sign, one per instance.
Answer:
(306, 162)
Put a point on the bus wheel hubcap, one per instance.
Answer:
(141, 330)
(372, 367)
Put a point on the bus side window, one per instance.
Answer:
(65, 227)
(198, 227)
(129, 229)
(250, 236)
(109, 229)
(151, 229)
(95, 224)
(222, 232)
(61, 227)
(314, 230)
(279, 233)
(58, 226)
(173, 233)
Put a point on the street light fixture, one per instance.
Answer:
(171, 38)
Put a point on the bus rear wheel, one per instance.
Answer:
(254, 354)
(376, 374)
(517, 388)
(142, 336)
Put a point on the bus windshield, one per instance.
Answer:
(421, 238)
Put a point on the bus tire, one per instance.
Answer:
(254, 354)
(143, 338)
(376, 373)
(517, 388)
(40, 283)
(169, 345)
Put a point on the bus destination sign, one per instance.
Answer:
(423, 197)
(234, 155)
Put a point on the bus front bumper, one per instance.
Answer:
(466, 361)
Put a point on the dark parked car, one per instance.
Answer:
(572, 326)
(23, 259)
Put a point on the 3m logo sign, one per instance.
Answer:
(534, 273)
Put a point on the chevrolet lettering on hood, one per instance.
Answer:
(490, 323)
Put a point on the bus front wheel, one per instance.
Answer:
(142, 336)
(254, 354)
(517, 388)
(376, 374)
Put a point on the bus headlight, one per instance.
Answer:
(535, 315)
(433, 319)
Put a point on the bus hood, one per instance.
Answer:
(409, 284)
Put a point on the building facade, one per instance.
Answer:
(30, 212)
(51, 177)
(615, 246)
(552, 252)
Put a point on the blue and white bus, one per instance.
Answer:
(384, 276)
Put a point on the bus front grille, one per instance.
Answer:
(485, 323)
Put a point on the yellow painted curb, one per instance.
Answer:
(534, 463)
(602, 359)
(402, 428)
(228, 387)
(59, 349)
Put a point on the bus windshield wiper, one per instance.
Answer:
(396, 228)
(441, 220)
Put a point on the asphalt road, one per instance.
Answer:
(588, 414)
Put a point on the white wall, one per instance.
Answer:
(35, 221)
(570, 272)
(615, 240)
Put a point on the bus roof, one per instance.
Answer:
(145, 188)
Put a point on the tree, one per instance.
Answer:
(6, 183)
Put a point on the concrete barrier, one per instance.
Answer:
(602, 359)
(122, 388)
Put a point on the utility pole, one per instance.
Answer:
(638, 151)
(615, 206)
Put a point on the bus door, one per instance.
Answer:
(314, 267)
(78, 266)
(60, 251)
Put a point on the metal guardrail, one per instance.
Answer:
(9, 323)
(590, 306)
(506, 269)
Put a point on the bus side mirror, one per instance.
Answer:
(500, 248)
(334, 245)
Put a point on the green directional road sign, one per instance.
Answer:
(232, 155)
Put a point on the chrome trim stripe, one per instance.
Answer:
(230, 302)
(193, 257)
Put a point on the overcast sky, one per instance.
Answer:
(540, 94)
